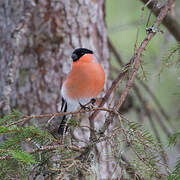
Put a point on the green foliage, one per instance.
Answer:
(18, 134)
(3, 129)
(175, 175)
(172, 58)
(173, 139)
(23, 157)
(73, 123)
(14, 159)
(173, 53)
(27, 150)
(13, 116)
(148, 152)
(12, 169)
(147, 148)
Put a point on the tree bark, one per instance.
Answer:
(37, 38)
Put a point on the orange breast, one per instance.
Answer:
(85, 80)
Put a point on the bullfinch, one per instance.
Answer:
(84, 82)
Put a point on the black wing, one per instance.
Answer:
(64, 119)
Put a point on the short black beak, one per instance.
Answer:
(74, 57)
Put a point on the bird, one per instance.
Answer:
(84, 83)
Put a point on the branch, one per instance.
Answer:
(108, 93)
(142, 47)
(169, 22)
(150, 108)
(53, 147)
(53, 115)
(154, 98)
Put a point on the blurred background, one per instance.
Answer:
(159, 72)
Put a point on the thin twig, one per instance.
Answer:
(108, 93)
(169, 22)
(53, 147)
(149, 91)
(143, 45)
(27, 118)
(138, 29)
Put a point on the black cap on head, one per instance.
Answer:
(77, 53)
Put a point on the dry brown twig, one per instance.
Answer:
(53, 147)
(141, 48)
(159, 106)
(52, 115)
(119, 60)
(169, 21)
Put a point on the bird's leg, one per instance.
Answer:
(85, 106)
(92, 101)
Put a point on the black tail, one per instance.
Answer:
(64, 119)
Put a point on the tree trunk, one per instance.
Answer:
(37, 38)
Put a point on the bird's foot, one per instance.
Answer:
(84, 107)
(89, 105)
(93, 101)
